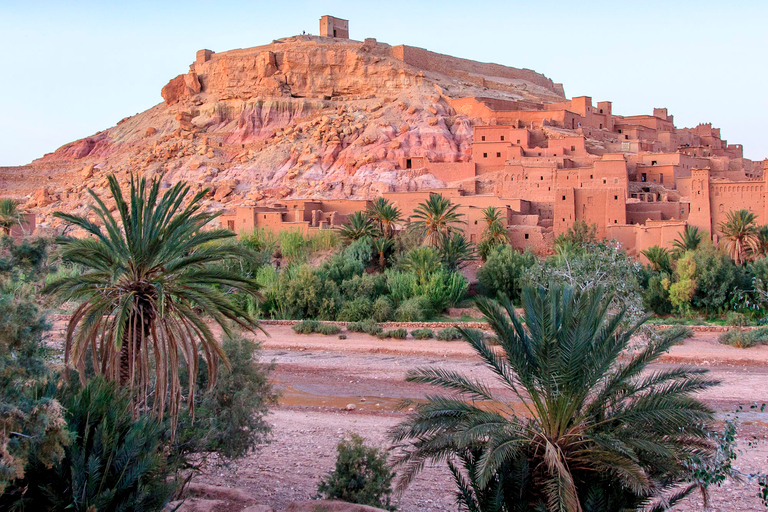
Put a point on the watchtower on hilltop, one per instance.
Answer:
(334, 27)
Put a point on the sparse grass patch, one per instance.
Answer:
(744, 339)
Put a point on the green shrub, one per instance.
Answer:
(360, 250)
(361, 475)
(736, 319)
(355, 310)
(443, 290)
(313, 326)
(415, 309)
(229, 418)
(744, 339)
(370, 286)
(114, 462)
(340, 269)
(328, 329)
(656, 296)
(382, 310)
(398, 334)
(679, 330)
(423, 334)
(309, 294)
(503, 272)
(402, 285)
(306, 327)
(368, 326)
(448, 334)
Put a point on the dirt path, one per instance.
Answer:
(320, 375)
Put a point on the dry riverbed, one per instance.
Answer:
(320, 375)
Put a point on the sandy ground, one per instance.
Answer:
(319, 375)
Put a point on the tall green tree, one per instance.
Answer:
(688, 240)
(358, 226)
(494, 233)
(10, 215)
(583, 429)
(740, 234)
(436, 218)
(659, 258)
(386, 215)
(151, 276)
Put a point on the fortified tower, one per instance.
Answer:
(700, 215)
(334, 27)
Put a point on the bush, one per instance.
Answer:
(679, 330)
(309, 294)
(366, 326)
(306, 327)
(361, 475)
(360, 250)
(443, 290)
(415, 309)
(340, 269)
(656, 296)
(355, 310)
(313, 326)
(423, 334)
(382, 310)
(716, 279)
(402, 285)
(370, 286)
(448, 334)
(229, 418)
(398, 334)
(744, 339)
(736, 319)
(328, 329)
(114, 462)
(503, 272)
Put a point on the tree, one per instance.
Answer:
(358, 226)
(762, 242)
(494, 233)
(10, 215)
(503, 272)
(455, 251)
(382, 246)
(578, 236)
(421, 262)
(386, 214)
(595, 427)
(659, 258)
(436, 218)
(740, 234)
(688, 240)
(681, 291)
(150, 278)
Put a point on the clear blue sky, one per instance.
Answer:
(72, 68)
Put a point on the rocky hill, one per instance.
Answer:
(303, 116)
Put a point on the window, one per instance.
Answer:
(408, 164)
(526, 236)
(626, 137)
(498, 155)
(539, 154)
(619, 130)
(231, 225)
(541, 178)
(601, 111)
(482, 138)
(653, 162)
(475, 222)
(615, 221)
(573, 148)
(591, 176)
(563, 198)
(485, 155)
(661, 178)
(502, 138)
(518, 141)
(616, 198)
(601, 126)
(605, 181)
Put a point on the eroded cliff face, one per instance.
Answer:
(301, 117)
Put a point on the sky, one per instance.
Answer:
(72, 68)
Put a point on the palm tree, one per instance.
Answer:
(149, 279)
(381, 246)
(494, 232)
(688, 240)
(455, 251)
(10, 215)
(422, 262)
(386, 214)
(762, 242)
(582, 421)
(740, 234)
(358, 226)
(659, 258)
(436, 218)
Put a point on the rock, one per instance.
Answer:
(150, 131)
(218, 492)
(87, 172)
(194, 165)
(221, 193)
(350, 407)
(42, 197)
(329, 506)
